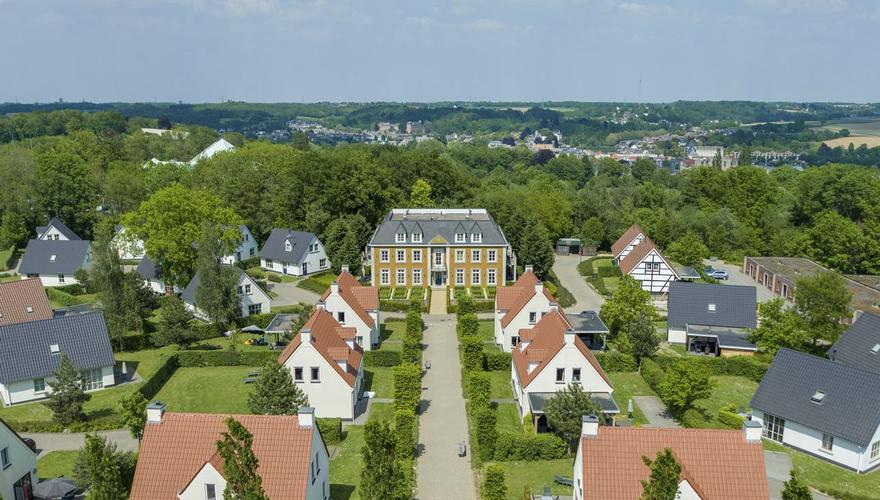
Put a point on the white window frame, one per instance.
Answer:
(491, 277)
(401, 277)
(438, 259)
(829, 439)
(302, 374)
(492, 256)
(459, 256)
(459, 277)
(92, 379)
(287, 246)
(476, 256)
(209, 495)
(255, 308)
(400, 238)
(416, 237)
(575, 375)
(875, 450)
(340, 317)
(417, 255)
(558, 379)
(60, 278)
(533, 317)
(476, 237)
(417, 277)
(400, 255)
(42, 383)
(384, 255)
(385, 277)
(322, 263)
(5, 461)
(315, 374)
(460, 238)
(475, 273)
(774, 428)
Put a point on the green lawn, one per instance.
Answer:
(4, 257)
(382, 412)
(345, 467)
(379, 379)
(57, 298)
(535, 474)
(501, 385)
(487, 330)
(317, 283)
(394, 330)
(627, 385)
(57, 464)
(508, 418)
(210, 389)
(6, 278)
(829, 478)
(737, 390)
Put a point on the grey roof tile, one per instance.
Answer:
(735, 306)
(25, 351)
(849, 410)
(856, 347)
(445, 225)
(60, 226)
(69, 256)
(274, 248)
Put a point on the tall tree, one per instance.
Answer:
(381, 475)
(795, 489)
(67, 397)
(120, 294)
(344, 241)
(628, 302)
(217, 290)
(664, 479)
(175, 323)
(104, 471)
(778, 326)
(686, 382)
(592, 232)
(420, 196)
(536, 249)
(566, 409)
(13, 231)
(275, 393)
(239, 463)
(822, 302)
(66, 187)
(171, 220)
(133, 410)
(688, 250)
(301, 140)
(643, 337)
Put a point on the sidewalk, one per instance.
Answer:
(442, 474)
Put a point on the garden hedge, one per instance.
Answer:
(405, 432)
(728, 416)
(331, 429)
(615, 361)
(739, 366)
(479, 388)
(224, 358)
(510, 446)
(652, 373)
(381, 358)
(485, 420)
(471, 353)
(154, 384)
(496, 361)
(407, 386)
(693, 418)
(467, 325)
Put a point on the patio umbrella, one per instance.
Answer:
(252, 329)
(54, 488)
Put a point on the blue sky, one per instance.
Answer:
(425, 50)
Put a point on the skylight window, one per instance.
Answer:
(52, 258)
(54, 349)
(711, 307)
(29, 309)
(875, 349)
(818, 397)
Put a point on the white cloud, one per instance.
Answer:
(789, 6)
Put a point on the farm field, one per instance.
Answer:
(872, 141)
(856, 127)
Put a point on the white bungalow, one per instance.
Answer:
(18, 465)
(520, 306)
(355, 305)
(252, 298)
(246, 249)
(647, 265)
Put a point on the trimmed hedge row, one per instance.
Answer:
(652, 373)
(331, 429)
(152, 386)
(407, 386)
(479, 388)
(510, 446)
(224, 358)
(381, 358)
(615, 361)
(496, 361)
(471, 348)
(405, 432)
(738, 366)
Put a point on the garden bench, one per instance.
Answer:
(250, 380)
(567, 481)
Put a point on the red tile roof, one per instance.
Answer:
(173, 451)
(513, 298)
(549, 338)
(17, 296)
(719, 464)
(327, 338)
(625, 239)
(360, 298)
(636, 255)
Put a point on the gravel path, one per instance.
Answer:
(655, 411)
(587, 299)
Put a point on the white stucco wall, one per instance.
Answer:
(22, 461)
(676, 336)
(332, 396)
(656, 282)
(52, 234)
(280, 267)
(539, 303)
(334, 303)
(257, 296)
(578, 475)
(23, 390)
(686, 491)
(313, 259)
(320, 488)
(54, 280)
(196, 489)
(245, 250)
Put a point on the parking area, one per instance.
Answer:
(737, 277)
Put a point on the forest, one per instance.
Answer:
(91, 170)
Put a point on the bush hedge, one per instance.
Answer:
(405, 432)
(471, 353)
(615, 361)
(652, 373)
(494, 487)
(154, 384)
(407, 386)
(224, 358)
(496, 361)
(510, 446)
(467, 325)
(738, 366)
(485, 420)
(693, 418)
(331, 429)
(727, 415)
(248, 263)
(479, 388)
(381, 358)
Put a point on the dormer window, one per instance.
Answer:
(417, 237)
(54, 349)
(400, 238)
(818, 397)
(287, 246)
(711, 308)
(476, 237)
(875, 349)
(459, 237)
(29, 309)
(52, 258)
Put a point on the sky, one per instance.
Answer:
(428, 50)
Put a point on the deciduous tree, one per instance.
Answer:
(688, 250)
(778, 326)
(822, 302)
(175, 323)
(420, 196)
(240, 463)
(217, 291)
(536, 249)
(628, 302)
(796, 489)
(664, 479)
(104, 471)
(133, 410)
(643, 337)
(684, 383)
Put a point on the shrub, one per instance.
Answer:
(154, 384)
(405, 431)
(72, 289)
(381, 358)
(737, 366)
(135, 341)
(615, 361)
(510, 446)
(411, 352)
(494, 487)
(479, 388)
(652, 373)
(693, 418)
(224, 358)
(331, 429)
(414, 326)
(249, 264)
(465, 305)
(468, 325)
(407, 386)
(727, 415)
(484, 419)
(471, 353)
(497, 361)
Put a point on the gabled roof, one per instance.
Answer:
(438, 222)
(26, 350)
(23, 301)
(549, 338)
(173, 451)
(719, 464)
(361, 298)
(147, 269)
(625, 239)
(734, 306)
(859, 346)
(327, 338)
(850, 408)
(217, 146)
(60, 226)
(69, 255)
(15, 434)
(189, 293)
(513, 298)
(638, 254)
(273, 249)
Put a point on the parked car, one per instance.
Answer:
(718, 274)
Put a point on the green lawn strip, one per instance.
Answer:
(209, 389)
(6, 278)
(346, 464)
(736, 390)
(829, 478)
(58, 298)
(626, 385)
(508, 418)
(379, 379)
(57, 464)
(394, 330)
(4, 257)
(486, 330)
(536, 474)
(501, 386)
(382, 412)
(385, 293)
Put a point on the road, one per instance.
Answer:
(587, 299)
(59, 441)
(441, 472)
(737, 277)
(289, 294)
(655, 411)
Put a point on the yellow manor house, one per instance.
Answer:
(439, 247)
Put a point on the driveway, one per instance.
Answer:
(737, 277)
(586, 298)
(290, 294)
(59, 441)
(655, 411)
(778, 465)
(441, 472)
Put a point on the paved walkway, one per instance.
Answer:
(737, 277)
(442, 474)
(60, 441)
(290, 294)
(655, 411)
(438, 301)
(586, 298)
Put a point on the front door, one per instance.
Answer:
(305, 268)
(438, 279)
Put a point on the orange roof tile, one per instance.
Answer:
(173, 451)
(549, 337)
(17, 296)
(636, 255)
(327, 335)
(719, 464)
(516, 296)
(360, 298)
(625, 239)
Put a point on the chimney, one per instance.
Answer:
(530, 268)
(155, 411)
(305, 335)
(320, 304)
(334, 287)
(589, 426)
(752, 431)
(344, 268)
(554, 306)
(569, 336)
(306, 416)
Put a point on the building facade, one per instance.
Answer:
(18, 466)
(439, 247)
